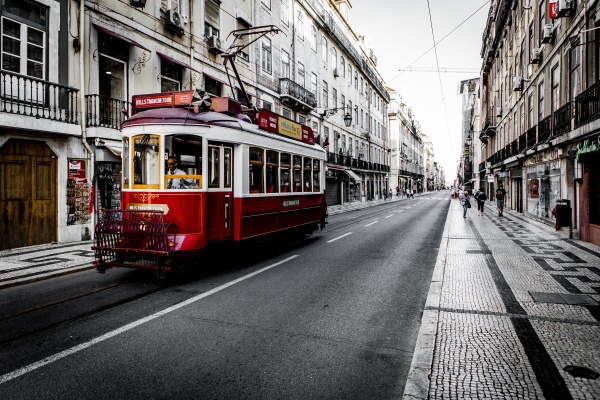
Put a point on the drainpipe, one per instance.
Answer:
(82, 99)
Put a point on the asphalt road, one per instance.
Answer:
(335, 315)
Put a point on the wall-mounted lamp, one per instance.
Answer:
(330, 111)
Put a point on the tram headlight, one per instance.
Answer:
(171, 243)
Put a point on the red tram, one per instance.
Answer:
(234, 180)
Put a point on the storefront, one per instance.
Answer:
(587, 174)
(543, 184)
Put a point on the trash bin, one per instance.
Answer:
(563, 212)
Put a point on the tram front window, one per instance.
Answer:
(146, 153)
(186, 150)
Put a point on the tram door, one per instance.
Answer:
(219, 208)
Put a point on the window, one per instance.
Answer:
(287, 113)
(170, 76)
(361, 85)
(212, 18)
(267, 105)
(333, 58)
(575, 72)
(313, 83)
(266, 55)
(285, 64)
(324, 50)
(227, 165)
(554, 94)
(542, 20)
(214, 163)
(342, 67)
(356, 80)
(307, 174)
(244, 54)
(301, 77)
(313, 38)
(285, 172)
(24, 38)
(146, 164)
(272, 170)
(212, 86)
(540, 101)
(530, 111)
(256, 170)
(300, 26)
(325, 95)
(187, 150)
(173, 5)
(343, 105)
(297, 173)
(316, 171)
(349, 74)
(334, 96)
(301, 119)
(285, 12)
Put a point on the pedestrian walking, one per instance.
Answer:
(500, 197)
(391, 194)
(481, 197)
(465, 200)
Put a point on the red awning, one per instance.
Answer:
(174, 61)
(118, 36)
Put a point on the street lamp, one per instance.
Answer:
(330, 111)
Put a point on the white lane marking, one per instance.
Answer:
(372, 223)
(400, 211)
(339, 237)
(50, 359)
(391, 215)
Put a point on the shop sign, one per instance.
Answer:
(587, 147)
(272, 122)
(490, 178)
(76, 169)
(544, 156)
(552, 9)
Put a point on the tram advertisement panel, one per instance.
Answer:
(272, 122)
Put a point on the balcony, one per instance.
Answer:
(489, 127)
(102, 111)
(522, 142)
(514, 147)
(562, 119)
(37, 98)
(296, 96)
(587, 105)
(545, 129)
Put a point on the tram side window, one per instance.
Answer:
(126, 163)
(146, 153)
(297, 173)
(214, 162)
(227, 167)
(307, 174)
(187, 150)
(272, 170)
(256, 170)
(285, 172)
(316, 176)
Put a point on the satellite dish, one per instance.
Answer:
(201, 99)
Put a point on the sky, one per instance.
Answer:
(400, 32)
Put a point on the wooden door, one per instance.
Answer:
(28, 205)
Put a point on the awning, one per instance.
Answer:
(214, 78)
(118, 36)
(174, 61)
(114, 146)
(352, 175)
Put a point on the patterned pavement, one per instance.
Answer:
(512, 313)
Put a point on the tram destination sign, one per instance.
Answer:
(272, 122)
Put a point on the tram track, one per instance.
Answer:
(77, 317)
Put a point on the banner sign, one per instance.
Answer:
(272, 122)
(168, 99)
(552, 9)
(587, 147)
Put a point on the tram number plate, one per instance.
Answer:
(288, 203)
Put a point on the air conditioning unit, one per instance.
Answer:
(565, 8)
(536, 56)
(214, 44)
(173, 21)
(137, 3)
(498, 111)
(517, 83)
(335, 72)
(547, 34)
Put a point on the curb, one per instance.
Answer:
(418, 379)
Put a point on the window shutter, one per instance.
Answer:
(212, 11)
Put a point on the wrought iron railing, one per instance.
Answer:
(587, 105)
(514, 147)
(106, 112)
(522, 141)
(545, 129)
(292, 89)
(37, 98)
(489, 126)
(532, 136)
(562, 119)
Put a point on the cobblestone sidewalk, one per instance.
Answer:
(512, 313)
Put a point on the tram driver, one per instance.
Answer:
(173, 170)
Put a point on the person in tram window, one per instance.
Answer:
(173, 170)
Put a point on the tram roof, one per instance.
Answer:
(183, 116)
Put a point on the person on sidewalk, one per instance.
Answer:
(481, 197)
(500, 197)
(465, 200)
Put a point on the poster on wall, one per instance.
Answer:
(534, 188)
(78, 194)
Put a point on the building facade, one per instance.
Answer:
(539, 103)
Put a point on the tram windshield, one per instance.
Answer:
(146, 153)
(186, 150)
